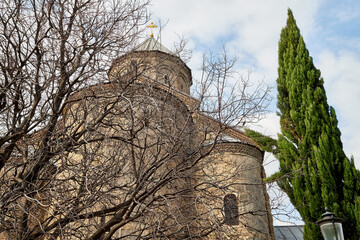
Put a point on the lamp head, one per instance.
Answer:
(330, 226)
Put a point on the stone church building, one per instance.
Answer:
(235, 161)
(155, 132)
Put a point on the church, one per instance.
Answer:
(168, 170)
(239, 206)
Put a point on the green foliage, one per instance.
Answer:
(266, 143)
(314, 170)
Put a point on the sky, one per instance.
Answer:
(251, 31)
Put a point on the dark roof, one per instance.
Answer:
(291, 232)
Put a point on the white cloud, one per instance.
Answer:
(269, 125)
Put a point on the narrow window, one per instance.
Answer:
(231, 210)
(166, 79)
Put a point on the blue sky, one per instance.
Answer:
(251, 30)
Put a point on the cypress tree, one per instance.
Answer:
(314, 170)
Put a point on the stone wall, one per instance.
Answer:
(236, 169)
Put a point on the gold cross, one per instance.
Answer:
(152, 26)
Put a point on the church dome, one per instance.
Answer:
(150, 61)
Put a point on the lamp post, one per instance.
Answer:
(330, 226)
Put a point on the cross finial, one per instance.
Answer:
(152, 26)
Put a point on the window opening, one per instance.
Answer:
(166, 79)
(231, 210)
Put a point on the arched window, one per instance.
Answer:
(231, 210)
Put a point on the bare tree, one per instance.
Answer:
(83, 157)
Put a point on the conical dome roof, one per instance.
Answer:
(151, 44)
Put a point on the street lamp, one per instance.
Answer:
(330, 226)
